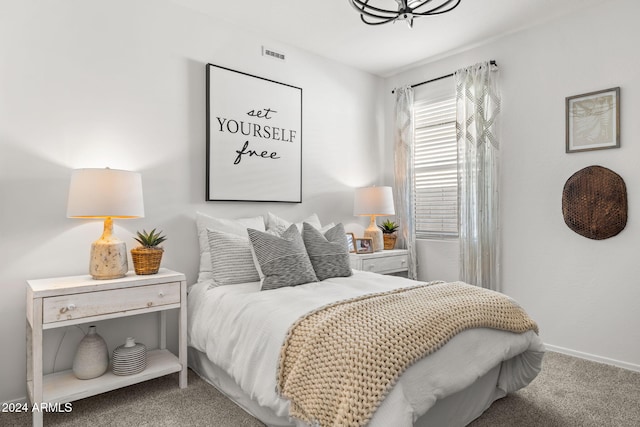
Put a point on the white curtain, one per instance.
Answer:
(404, 182)
(477, 110)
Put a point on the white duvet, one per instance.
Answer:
(241, 330)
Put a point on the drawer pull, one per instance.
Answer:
(70, 307)
(161, 294)
(150, 303)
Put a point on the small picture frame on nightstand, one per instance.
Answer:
(351, 242)
(364, 245)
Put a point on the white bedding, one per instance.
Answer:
(241, 330)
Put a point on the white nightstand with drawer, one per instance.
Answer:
(64, 301)
(384, 262)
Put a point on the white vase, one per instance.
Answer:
(92, 356)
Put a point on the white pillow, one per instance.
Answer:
(232, 226)
(326, 228)
(275, 223)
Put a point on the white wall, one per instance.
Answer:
(584, 294)
(122, 84)
(438, 259)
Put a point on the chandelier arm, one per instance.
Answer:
(385, 18)
(436, 10)
(382, 20)
(373, 15)
(364, 7)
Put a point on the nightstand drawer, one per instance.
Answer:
(77, 306)
(388, 264)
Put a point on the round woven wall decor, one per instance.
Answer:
(594, 203)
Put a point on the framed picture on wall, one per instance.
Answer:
(593, 121)
(254, 138)
(364, 245)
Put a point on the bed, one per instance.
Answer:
(236, 333)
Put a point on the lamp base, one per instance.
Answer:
(374, 233)
(108, 260)
(108, 255)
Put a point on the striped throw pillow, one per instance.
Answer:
(231, 259)
(237, 226)
(282, 259)
(328, 253)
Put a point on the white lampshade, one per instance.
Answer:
(376, 201)
(106, 193)
(373, 202)
(102, 193)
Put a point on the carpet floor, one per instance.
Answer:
(568, 392)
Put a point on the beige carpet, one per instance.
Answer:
(568, 392)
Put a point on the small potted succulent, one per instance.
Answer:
(147, 257)
(389, 234)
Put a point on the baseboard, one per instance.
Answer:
(593, 357)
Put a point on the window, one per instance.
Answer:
(435, 161)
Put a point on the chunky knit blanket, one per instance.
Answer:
(339, 362)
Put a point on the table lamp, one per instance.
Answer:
(106, 193)
(374, 201)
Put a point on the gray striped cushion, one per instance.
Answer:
(282, 259)
(329, 254)
(231, 259)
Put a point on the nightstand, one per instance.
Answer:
(384, 262)
(65, 301)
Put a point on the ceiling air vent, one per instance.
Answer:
(272, 53)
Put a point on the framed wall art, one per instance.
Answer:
(593, 121)
(254, 138)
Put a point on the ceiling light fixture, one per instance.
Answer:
(376, 14)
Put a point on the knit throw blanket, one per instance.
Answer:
(338, 362)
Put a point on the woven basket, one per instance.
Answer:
(146, 260)
(389, 240)
(594, 203)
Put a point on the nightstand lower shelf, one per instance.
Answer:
(63, 387)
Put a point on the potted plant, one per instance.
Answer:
(147, 256)
(389, 234)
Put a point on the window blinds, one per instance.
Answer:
(435, 162)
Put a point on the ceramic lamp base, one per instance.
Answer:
(374, 233)
(108, 260)
(108, 255)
